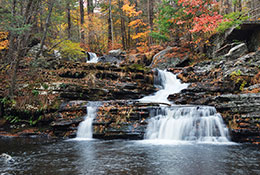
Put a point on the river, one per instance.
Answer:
(49, 157)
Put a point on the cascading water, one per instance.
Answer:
(168, 83)
(182, 123)
(193, 123)
(85, 127)
(92, 58)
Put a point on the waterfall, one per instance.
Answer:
(182, 123)
(168, 84)
(85, 127)
(92, 58)
(193, 123)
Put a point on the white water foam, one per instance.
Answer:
(93, 58)
(85, 128)
(200, 124)
(170, 85)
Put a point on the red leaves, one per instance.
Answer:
(203, 18)
(206, 23)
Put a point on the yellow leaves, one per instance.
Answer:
(137, 23)
(4, 43)
(130, 10)
(140, 35)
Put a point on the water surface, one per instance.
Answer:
(34, 156)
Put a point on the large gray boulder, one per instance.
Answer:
(164, 60)
(114, 57)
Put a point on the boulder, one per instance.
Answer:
(224, 50)
(116, 53)
(237, 51)
(109, 59)
(164, 60)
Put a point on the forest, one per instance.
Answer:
(73, 27)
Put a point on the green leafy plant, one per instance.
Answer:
(231, 20)
(8, 102)
(12, 119)
(70, 50)
(45, 86)
(243, 84)
(35, 92)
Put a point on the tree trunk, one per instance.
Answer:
(46, 28)
(120, 3)
(110, 27)
(90, 7)
(90, 26)
(20, 41)
(239, 5)
(68, 20)
(137, 28)
(129, 35)
(150, 4)
(82, 33)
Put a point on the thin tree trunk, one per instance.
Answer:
(137, 28)
(239, 7)
(68, 20)
(82, 33)
(90, 7)
(120, 3)
(110, 27)
(46, 28)
(150, 4)
(129, 35)
(90, 28)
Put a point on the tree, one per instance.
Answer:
(51, 4)
(110, 27)
(82, 33)
(150, 5)
(68, 18)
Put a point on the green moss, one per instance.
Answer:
(139, 67)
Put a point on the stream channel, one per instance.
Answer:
(44, 157)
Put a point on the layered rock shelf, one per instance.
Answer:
(229, 85)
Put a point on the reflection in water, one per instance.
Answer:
(126, 157)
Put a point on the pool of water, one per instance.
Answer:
(34, 156)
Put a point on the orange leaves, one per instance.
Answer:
(137, 23)
(130, 10)
(4, 43)
(140, 35)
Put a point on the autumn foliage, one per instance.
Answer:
(4, 43)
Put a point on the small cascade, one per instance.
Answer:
(182, 123)
(92, 58)
(193, 123)
(168, 84)
(85, 127)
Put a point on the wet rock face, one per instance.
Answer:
(227, 85)
(242, 111)
(105, 82)
(115, 119)
(121, 120)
